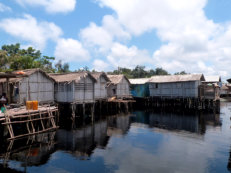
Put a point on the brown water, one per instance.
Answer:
(136, 142)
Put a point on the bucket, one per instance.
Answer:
(35, 105)
(29, 105)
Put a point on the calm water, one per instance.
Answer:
(137, 142)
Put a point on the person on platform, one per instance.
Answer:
(4, 98)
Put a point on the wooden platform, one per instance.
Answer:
(121, 101)
(44, 118)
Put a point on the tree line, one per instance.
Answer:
(140, 72)
(13, 57)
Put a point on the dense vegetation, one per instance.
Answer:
(12, 57)
(140, 72)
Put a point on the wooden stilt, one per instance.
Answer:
(30, 121)
(93, 112)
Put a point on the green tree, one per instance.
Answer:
(12, 57)
(161, 71)
(139, 72)
(3, 60)
(61, 68)
(180, 73)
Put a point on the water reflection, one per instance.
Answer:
(195, 123)
(136, 142)
(32, 151)
(82, 142)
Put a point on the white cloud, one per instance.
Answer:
(70, 50)
(123, 56)
(4, 8)
(112, 26)
(29, 29)
(51, 6)
(96, 36)
(100, 65)
(102, 37)
(139, 17)
(190, 41)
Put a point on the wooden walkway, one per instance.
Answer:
(36, 121)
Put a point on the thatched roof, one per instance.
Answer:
(139, 81)
(115, 79)
(9, 75)
(26, 73)
(176, 78)
(97, 75)
(70, 77)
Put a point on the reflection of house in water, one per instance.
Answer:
(83, 141)
(80, 143)
(31, 151)
(118, 125)
(174, 121)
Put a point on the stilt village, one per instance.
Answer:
(38, 101)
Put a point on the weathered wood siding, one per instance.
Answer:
(80, 92)
(84, 90)
(36, 87)
(175, 89)
(100, 89)
(64, 92)
(123, 89)
(111, 90)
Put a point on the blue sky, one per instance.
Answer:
(104, 34)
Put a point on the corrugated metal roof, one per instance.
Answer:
(212, 79)
(115, 79)
(70, 77)
(139, 81)
(176, 78)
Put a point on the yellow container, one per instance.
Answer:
(29, 105)
(35, 105)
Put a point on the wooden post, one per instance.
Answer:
(83, 109)
(92, 112)
(8, 90)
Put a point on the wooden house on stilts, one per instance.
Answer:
(187, 90)
(34, 84)
(76, 88)
(176, 86)
(101, 85)
(119, 87)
